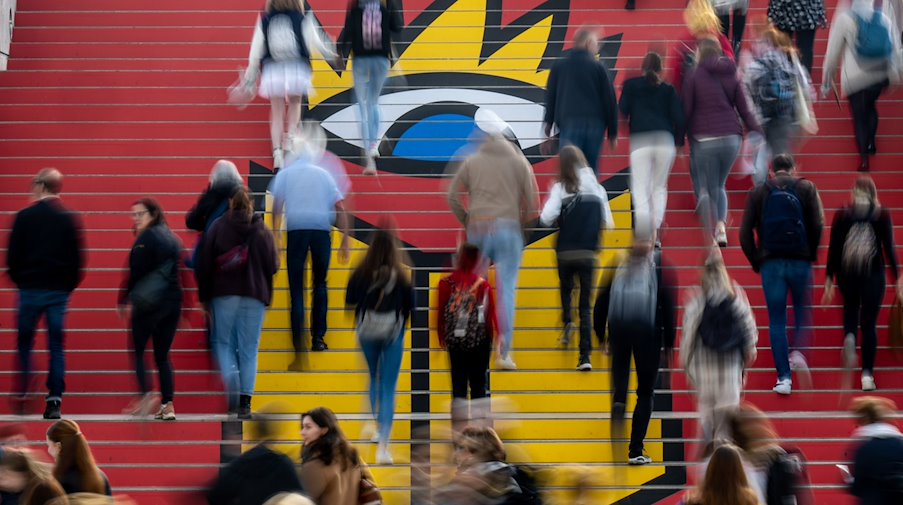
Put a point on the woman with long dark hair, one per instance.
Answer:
(656, 117)
(152, 299)
(579, 206)
(860, 249)
(725, 481)
(331, 468)
(382, 295)
(235, 279)
(31, 481)
(74, 466)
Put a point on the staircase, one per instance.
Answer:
(127, 99)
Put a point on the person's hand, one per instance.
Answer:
(606, 349)
(344, 251)
(124, 311)
(825, 91)
(277, 241)
(547, 129)
(828, 296)
(613, 143)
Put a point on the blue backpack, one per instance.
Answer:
(783, 222)
(873, 39)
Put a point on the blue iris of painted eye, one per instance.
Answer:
(435, 138)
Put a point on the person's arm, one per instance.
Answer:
(312, 39)
(742, 106)
(835, 246)
(887, 242)
(444, 292)
(625, 104)
(196, 218)
(748, 229)
(750, 329)
(837, 39)
(493, 328)
(458, 185)
(354, 290)
(530, 192)
(255, 54)
(313, 479)
(204, 267)
(15, 250)
(552, 209)
(609, 104)
(667, 303)
(342, 222)
(551, 95)
(689, 98)
(396, 16)
(815, 222)
(678, 118)
(344, 44)
(608, 220)
(277, 189)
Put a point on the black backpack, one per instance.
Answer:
(720, 328)
(783, 221)
(529, 487)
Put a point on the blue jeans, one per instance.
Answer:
(586, 136)
(370, 74)
(237, 322)
(778, 277)
(384, 361)
(710, 164)
(501, 241)
(319, 243)
(34, 303)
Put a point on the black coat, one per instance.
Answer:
(253, 478)
(877, 463)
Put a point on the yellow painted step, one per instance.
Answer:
(557, 452)
(351, 403)
(321, 382)
(525, 380)
(589, 402)
(548, 429)
(321, 361)
(533, 360)
(280, 339)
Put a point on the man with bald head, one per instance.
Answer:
(45, 260)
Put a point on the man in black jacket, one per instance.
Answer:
(580, 99)
(45, 260)
(785, 215)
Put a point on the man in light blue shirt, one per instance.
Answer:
(311, 202)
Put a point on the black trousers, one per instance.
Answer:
(584, 270)
(735, 35)
(645, 347)
(863, 105)
(805, 42)
(159, 325)
(470, 370)
(862, 297)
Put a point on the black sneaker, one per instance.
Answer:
(319, 345)
(54, 409)
(244, 407)
(584, 365)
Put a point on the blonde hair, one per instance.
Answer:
(865, 186)
(714, 275)
(873, 409)
(701, 18)
(777, 39)
(285, 5)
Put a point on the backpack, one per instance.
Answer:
(465, 317)
(529, 489)
(720, 328)
(859, 248)
(873, 39)
(775, 88)
(634, 294)
(380, 318)
(372, 26)
(783, 223)
(787, 476)
(283, 36)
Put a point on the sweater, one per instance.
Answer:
(255, 278)
(651, 107)
(152, 249)
(580, 216)
(878, 460)
(499, 183)
(254, 477)
(752, 226)
(857, 74)
(352, 37)
(682, 50)
(214, 198)
(883, 227)
(580, 90)
(330, 484)
(466, 279)
(46, 247)
(713, 96)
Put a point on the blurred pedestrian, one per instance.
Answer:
(799, 19)
(224, 182)
(29, 479)
(735, 10)
(878, 461)
(725, 481)
(74, 466)
(702, 24)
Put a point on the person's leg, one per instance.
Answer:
(662, 162)
(728, 149)
(29, 313)
(872, 297)
(362, 72)
(509, 249)
(164, 335)
(725, 19)
(379, 73)
(225, 320)
(55, 310)
(642, 186)
(705, 166)
(566, 289)
(320, 252)
(805, 42)
(389, 369)
(646, 355)
(775, 287)
(295, 258)
(460, 363)
(143, 325)
(586, 273)
(621, 349)
(850, 291)
(859, 111)
(293, 117)
(372, 350)
(871, 103)
(739, 29)
(799, 279)
(277, 126)
(250, 324)
(592, 146)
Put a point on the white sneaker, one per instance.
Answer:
(505, 363)
(721, 235)
(849, 351)
(373, 152)
(639, 460)
(868, 383)
(799, 365)
(383, 456)
(277, 158)
(783, 387)
(370, 431)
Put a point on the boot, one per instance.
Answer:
(244, 407)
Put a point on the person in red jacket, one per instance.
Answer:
(702, 23)
(467, 326)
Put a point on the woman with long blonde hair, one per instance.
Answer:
(725, 481)
(702, 23)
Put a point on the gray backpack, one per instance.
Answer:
(634, 294)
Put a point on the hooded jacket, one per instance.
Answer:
(878, 463)
(352, 38)
(255, 278)
(713, 98)
(652, 107)
(211, 200)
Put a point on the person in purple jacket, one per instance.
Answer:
(713, 99)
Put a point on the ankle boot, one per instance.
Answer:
(244, 407)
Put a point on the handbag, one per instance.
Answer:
(805, 114)
(368, 492)
(149, 291)
(895, 327)
(379, 325)
(235, 258)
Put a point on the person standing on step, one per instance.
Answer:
(702, 24)
(369, 26)
(736, 9)
(865, 45)
(466, 325)
(862, 239)
(285, 38)
(637, 308)
(799, 19)
(152, 301)
(381, 292)
(718, 345)
(780, 233)
(656, 117)
(311, 202)
(74, 467)
(578, 204)
(580, 99)
(235, 280)
(45, 259)
(717, 111)
(878, 459)
(502, 197)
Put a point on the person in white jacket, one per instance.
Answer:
(579, 206)
(715, 361)
(862, 77)
(285, 38)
